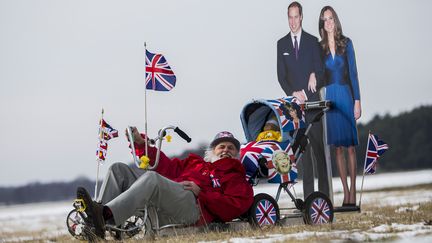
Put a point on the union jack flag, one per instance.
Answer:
(215, 181)
(250, 153)
(274, 176)
(376, 147)
(320, 211)
(159, 75)
(265, 213)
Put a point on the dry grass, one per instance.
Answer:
(345, 223)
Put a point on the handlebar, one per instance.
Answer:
(182, 134)
(161, 135)
(317, 105)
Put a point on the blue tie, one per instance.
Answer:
(296, 47)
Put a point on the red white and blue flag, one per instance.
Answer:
(252, 152)
(159, 75)
(101, 150)
(106, 132)
(273, 175)
(215, 181)
(376, 147)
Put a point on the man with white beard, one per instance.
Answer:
(191, 191)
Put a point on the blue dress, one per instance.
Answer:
(342, 88)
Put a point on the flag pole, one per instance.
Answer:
(145, 98)
(98, 160)
(364, 170)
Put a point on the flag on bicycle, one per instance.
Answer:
(375, 148)
(159, 75)
(106, 132)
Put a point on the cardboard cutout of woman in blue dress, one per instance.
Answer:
(342, 89)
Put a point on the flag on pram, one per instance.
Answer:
(106, 132)
(159, 75)
(252, 152)
(375, 148)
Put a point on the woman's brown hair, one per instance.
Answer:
(340, 39)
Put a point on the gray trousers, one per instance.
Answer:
(126, 191)
(315, 154)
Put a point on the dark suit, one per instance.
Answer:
(293, 75)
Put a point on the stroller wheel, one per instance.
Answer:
(264, 211)
(318, 209)
(76, 225)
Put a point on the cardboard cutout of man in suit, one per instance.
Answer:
(299, 66)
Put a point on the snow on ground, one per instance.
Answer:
(403, 233)
(50, 218)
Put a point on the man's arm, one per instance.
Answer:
(236, 198)
(167, 167)
(318, 68)
(281, 70)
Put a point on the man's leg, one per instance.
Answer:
(317, 142)
(308, 176)
(152, 189)
(118, 179)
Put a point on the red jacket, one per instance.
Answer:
(225, 194)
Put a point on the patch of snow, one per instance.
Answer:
(407, 209)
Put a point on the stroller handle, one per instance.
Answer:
(317, 105)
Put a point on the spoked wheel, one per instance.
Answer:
(264, 211)
(131, 227)
(76, 225)
(318, 209)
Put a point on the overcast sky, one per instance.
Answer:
(61, 62)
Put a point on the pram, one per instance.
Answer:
(276, 160)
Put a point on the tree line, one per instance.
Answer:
(407, 134)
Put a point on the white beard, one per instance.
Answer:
(210, 156)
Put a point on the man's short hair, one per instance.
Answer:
(298, 5)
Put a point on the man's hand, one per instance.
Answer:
(191, 186)
(300, 96)
(138, 139)
(312, 83)
(357, 109)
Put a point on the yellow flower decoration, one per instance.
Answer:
(144, 162)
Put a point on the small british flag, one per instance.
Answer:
(215, 181)
(159, 75)
(376, 147)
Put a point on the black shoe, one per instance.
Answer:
(94, 212)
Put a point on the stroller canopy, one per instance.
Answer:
(255, 114)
